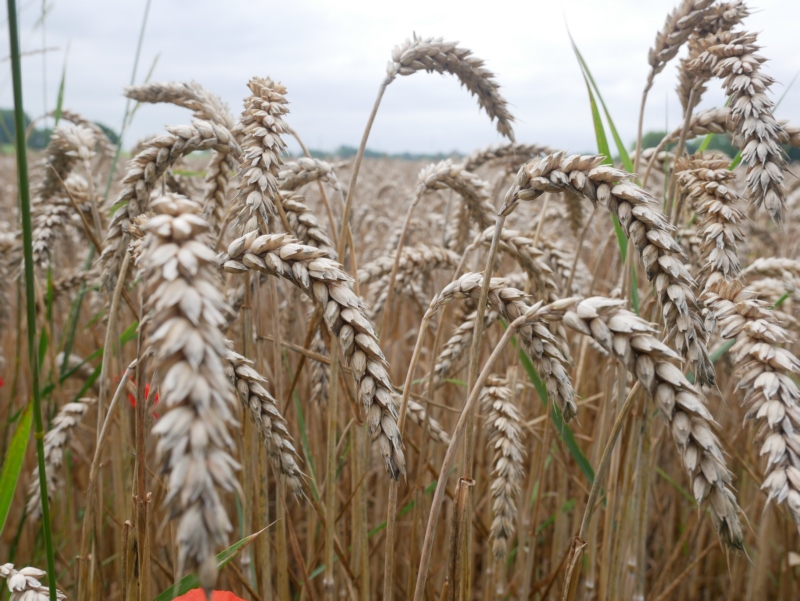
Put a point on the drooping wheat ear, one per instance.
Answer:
(547, 349)
(766, 373)
(144, 170)
(415, 262)
(780, 267)
(264, 413)
(64, 424)
(417, 414)
(186, 309)
(644, 225)
(78, 365)
(206, 107)
(677, 28)
(717, 18)
(24, 584)
(293, 175)
(630, 339)
(434, 54)
(504, 438)
(69, 145)
(323, 280)
(10, 252)
(262, 146)
(561, 262)
(474, 192)
(717, 207)
(455, 347)
(732, 57)
(305, 224)
(512, 155)
(523, 250)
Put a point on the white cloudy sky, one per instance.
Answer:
(331, 55)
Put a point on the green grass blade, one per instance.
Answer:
(190, 581)
(561, 427)
(61, 87)
(12, 465)
(623, 153)
(30, 299)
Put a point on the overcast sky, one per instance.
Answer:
(331, 55)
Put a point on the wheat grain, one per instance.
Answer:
(305, 224)
(512, 155)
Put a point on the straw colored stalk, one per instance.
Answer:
(732, 57)
(206, 107)
(185, 313)
(262, 146)
(512, 155)
(24, 584)
(144, 170)
(69, 145)
(643, 224)
(548, 350)
(767, 375)
(630, 339)
(270, 423)
(323, 280)
(62, 429)
(504, 437)
(435, 54)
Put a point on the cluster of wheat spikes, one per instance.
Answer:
(522, 374)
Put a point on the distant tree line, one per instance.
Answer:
(719, 142)
(39, 137)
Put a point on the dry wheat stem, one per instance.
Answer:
(185, 315)
(644, 225)
(323, 280)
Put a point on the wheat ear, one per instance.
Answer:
(24, 584)
(512, 155)
(505, 438)
(263, 126)
(144, 170)
(732, 57)
(323, 280)
(643, 224)
(186, 309)
(434, 54)
(630, 339)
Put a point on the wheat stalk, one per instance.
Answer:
(186, 310)
(323, 280)
(643, 224)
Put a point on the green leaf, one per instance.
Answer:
(190, 581)
(561, 427)
(623, 153)
(12, 466)
(61, 85)
(780, 301)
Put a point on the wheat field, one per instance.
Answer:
(524, 373)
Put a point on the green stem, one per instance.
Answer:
(30, 303)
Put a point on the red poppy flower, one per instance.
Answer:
(198, 595)
(2, 382)
(132, 398)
